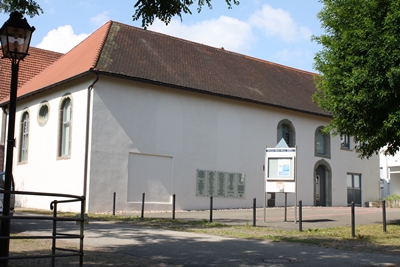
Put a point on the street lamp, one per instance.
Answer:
(15, 37)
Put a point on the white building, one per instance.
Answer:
(132, 111)
(390, 174)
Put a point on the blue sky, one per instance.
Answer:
(273, 30)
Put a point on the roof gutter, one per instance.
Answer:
(88, 114)
(47, 87)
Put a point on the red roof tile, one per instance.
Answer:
(133, 53)
(77, 61)
(37, 60)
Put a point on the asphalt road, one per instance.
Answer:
(172, 248)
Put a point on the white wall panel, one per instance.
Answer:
(152, 175)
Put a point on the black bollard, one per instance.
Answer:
(254, 212)
(211, 208)
(173, 207)
(143, 206)
(300, 215)
(384, 215)
(353, 220)
(114, 203)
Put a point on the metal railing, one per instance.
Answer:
(55, 235)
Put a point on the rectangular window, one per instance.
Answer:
(345, 141)
(354, 189)
(320, 144)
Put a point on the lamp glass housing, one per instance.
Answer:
(15, 37)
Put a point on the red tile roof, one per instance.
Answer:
(129, 52)
(76, 62)
(37, 60)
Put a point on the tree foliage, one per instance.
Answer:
(148, 10)
(360, 72)
(27, 7)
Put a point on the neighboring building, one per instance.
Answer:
(132, 111)
(390, 174)
(33, 64)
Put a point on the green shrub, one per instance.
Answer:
(393, 197)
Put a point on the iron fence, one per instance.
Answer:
(56, 252)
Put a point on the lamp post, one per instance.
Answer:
(15, 37)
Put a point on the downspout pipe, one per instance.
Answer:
(3, 136)
(88, 110)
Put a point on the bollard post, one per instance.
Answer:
(143, 206)
(173, 207)
(254, 212)
(384, 215)
(285, 219)
(300, 215)
(114, 204)
(353, 220)
(54, 234)
(211, 209)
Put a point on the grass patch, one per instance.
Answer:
(369, 238)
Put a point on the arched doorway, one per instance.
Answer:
(322, 184)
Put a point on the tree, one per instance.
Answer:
(147, 10)
(360, 72)
(166, 9)
(27, 7)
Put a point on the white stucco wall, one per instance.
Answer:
(204, 132)
(44, 171)
(195, 131)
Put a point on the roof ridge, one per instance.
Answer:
(110, 23)
(219, 49)
(80, 59)
(93, 33)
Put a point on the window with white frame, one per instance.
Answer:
(24, 137)
(345, 141)
(65, 127)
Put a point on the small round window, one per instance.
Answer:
(43, 113)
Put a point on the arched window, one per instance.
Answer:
(65, 127)
(24, 137)
(322, 143)
(286, 131)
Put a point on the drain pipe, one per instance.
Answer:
(88, 108)
(3, 135)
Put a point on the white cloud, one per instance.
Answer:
(278, 22)
(227, 32)
(99, 19)
(61, 40)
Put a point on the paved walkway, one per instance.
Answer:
(115, 244)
